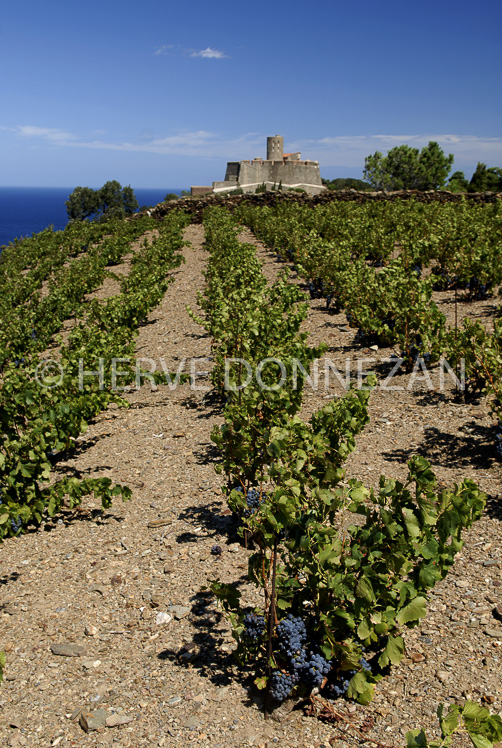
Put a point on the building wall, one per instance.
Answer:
(252, 174)
(200, 190)
(232, 173)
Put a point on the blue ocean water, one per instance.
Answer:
(27, 210)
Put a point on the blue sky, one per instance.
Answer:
(160, 94)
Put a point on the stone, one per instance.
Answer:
(174, 700)
(91, 631)
(68, 650)
(496, 633)
(443, 676)
(187, 656)
(488, 699)
(192, 722)
(88, 664)
(179, 611)
(98, 588)
(284, 710)
(160, 522)
(162, 617)
(115, 720)
(90, 721)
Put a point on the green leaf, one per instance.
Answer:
(474, 711)
(4, 518)
(450, 723)
(416, 739)
(479, 741)
(360, 690)
(365, 590)
(282, 604)
(412, 612)
(363, 630)
(411, 522)
(429, 575)
(393, 652)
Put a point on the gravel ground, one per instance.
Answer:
(148, 655)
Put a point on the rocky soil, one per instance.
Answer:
(111, 634)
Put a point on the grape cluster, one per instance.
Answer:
(254, 626)
(303, 664)
(417, 350)
(292, 635)
(339, 687)
(416, 353)
(315, 670)
(477, 290)
(366, 338)
(444, 280)
(365, 665)
(281, 685)
(16, 524)
(253, 501)
(317, 288)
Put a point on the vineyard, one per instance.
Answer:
(302, 407)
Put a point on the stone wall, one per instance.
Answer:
(197, 205)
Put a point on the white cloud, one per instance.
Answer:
(351, 150)
(200, 143)
(340, 151)
(54, 135)
(164, 49)
(208, 53)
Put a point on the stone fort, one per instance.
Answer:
(278, 169)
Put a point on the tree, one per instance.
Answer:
(435, 166)
(110, 201)
(129, 201)
(458, 182)
(486, 180)
(171, 196)
(406, 168)
(82, 203)
(346, 183)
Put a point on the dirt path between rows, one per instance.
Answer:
(131, 586)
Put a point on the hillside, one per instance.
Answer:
(103, 582)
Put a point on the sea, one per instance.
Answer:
(27, 210)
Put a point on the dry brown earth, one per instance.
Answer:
(104, 581)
